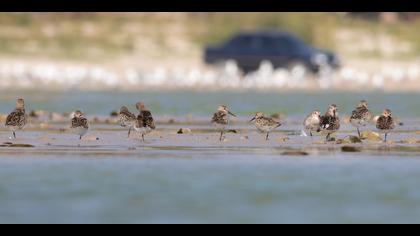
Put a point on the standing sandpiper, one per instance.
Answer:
(220, 119)
(361, 116)
(127, 119)
(312, 122)
(265, 124)
(17, 119)
(79, 124)
(330, 122)
(385, 123)
(144, 123)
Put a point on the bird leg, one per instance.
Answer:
(266, 138)
(142, 136)
(129, 131)
(310, 133)
(80, 137)
(221, 136)
(328, 137)
(358, 131)
(386, 137)
(14, 134)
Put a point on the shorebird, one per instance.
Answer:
(126, 119)
(330, 122)
(265, 124)
(312, 123)
(79, 124)
(220, 119)
(144, 123)
(17, 119)
(361, 116)
(385, 123)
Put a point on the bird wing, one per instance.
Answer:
(79, 122)
(140, 121)
(74, 122)
(325, 121)
(126, 116)
(15, 118)
(381, 123)
(215, 117)
(330, 123)
(360, 113)
(148, 119)
(271, 122)
(356, 114)
(84, 123)
(218, 117)
(385, 123)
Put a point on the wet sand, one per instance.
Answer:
(108, 138)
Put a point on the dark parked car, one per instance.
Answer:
(249, 49)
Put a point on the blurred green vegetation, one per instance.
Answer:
(105, 36)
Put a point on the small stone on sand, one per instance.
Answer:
(295, 153)
(283, 139)
(371, 136)
(184, 131)
(349, 139)
(349, 149)
(22, 145)
(411, 141)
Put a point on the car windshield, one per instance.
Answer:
(296, 41)
(270, 42)
(242, 41)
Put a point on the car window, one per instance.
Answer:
(244, 42)
(282, 44)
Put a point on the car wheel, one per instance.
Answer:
(247, 69)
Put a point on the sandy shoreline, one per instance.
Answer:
(111, 140)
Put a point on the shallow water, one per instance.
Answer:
(196, 179)
(204, 103)
(190, 187)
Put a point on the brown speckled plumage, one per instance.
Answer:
(145, 119)
(17, 119)
(330, 122)
(361, 113)
(385, 123)
(312, 122)
(265, 124)
(126, 119)
(361, 116)
(220, 119)
(79, 124)
(144, 122)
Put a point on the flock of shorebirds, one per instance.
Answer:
(327, 124)
(143, 123)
